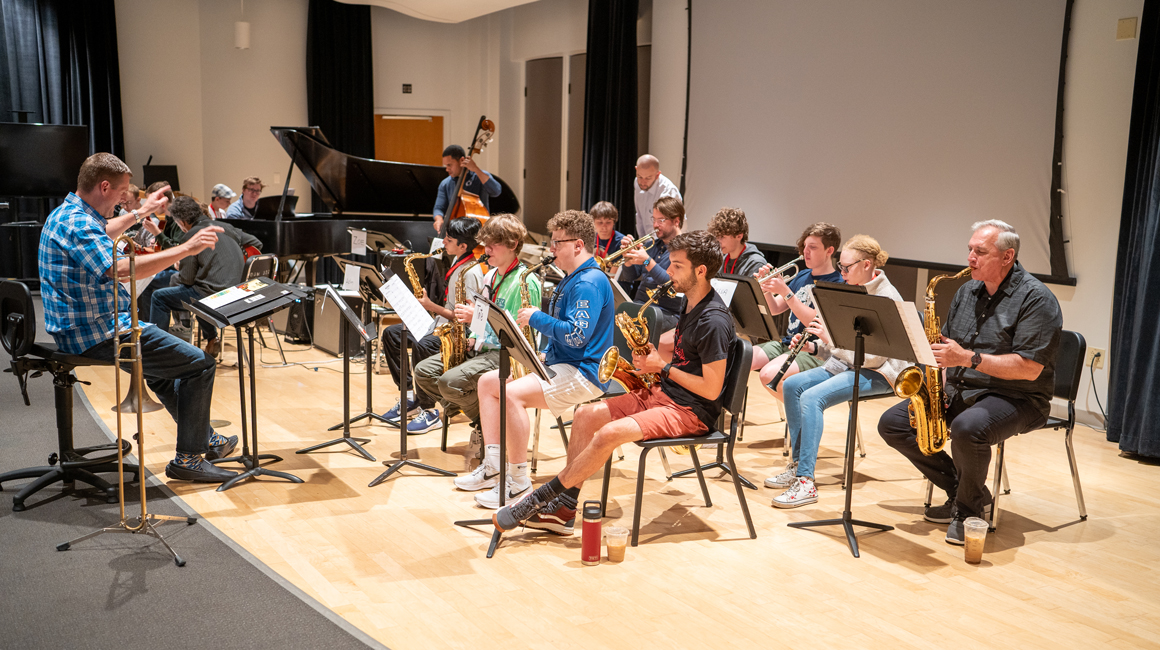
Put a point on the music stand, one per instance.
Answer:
(246, 304)
(370, 282)
(404, 368)
(512, 344)
(750, 317)
(379, 241)
(865, 324)
(367, 332)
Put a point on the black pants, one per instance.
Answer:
(421, 349)
(962, 474)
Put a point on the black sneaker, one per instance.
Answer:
(508, 517)
(940, 514)
(955, 531)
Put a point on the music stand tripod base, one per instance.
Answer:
(135, 526)
(354, 443)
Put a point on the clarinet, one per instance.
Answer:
(793, 352)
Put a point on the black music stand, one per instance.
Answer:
(404, 461)
(370, 280)
(379, 241)
(267, 297)
(367, 332)
(751, 318)
(512, 344)
(862, 323)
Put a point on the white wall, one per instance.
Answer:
(1098, 104)
(670, 41)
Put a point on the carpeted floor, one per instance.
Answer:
(123, 591)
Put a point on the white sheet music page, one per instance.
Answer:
(358, 242)
(725, 289)
(350, 278)
(406, 306)
(916, 333)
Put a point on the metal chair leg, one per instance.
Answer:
(665, 463)
(274, 333)
(993, 520)
(1075, 475)
(535, 443)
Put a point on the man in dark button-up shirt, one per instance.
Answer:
(999, 345)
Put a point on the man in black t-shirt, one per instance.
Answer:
(685, 402)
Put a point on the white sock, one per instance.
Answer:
(518, 470)
(491, 456)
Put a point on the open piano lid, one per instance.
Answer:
(352, 185)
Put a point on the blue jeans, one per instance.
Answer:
(166, 300)
(182, 377)
(808, 394)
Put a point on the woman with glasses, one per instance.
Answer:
(809, 393)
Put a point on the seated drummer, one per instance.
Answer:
(652, 266)
(459, 244)
(502, 237)
(77, 281)
(684, 403)
(578, 329)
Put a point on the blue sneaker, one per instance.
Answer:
(392, 415)
(426, 421)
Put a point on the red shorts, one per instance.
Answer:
(656, 414)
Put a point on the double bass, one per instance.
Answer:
(467, 204)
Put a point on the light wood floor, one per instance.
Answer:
(389, 560)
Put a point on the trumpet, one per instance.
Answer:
(783, 270)
(609, 264)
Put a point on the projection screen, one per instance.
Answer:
(907, 120)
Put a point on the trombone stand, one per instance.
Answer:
(144, 523)
(404, 461)
(847, 522)
(504, 373)
(355, 443)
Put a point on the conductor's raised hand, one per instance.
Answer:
(524, 316)
(155, 203)
(202, 239)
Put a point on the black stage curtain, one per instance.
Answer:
(610, 109)
(340, 90)
(58, 59)
(1134, 383)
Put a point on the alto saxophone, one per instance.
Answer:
(526, 301)
(414, 277)
(453, 334)
(927, 413)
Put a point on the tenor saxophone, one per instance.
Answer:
(414, 277)
(453, 334)
(924, 388)
(635, 330)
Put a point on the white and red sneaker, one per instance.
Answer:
(801, 493)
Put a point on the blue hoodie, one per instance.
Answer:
(579, 327)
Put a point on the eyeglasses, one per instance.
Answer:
(556, 242)
(657, 220)
(846, 269)
(253, 190)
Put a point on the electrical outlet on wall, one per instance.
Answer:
(1092, 354)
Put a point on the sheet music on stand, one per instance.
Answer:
(400, 298)
(521, 350)
(365, 330)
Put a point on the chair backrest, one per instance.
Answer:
(17, 318)
(650, 317)
(1069, 364)
(736, 375)
(261, 266)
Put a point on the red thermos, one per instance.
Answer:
(591, 537)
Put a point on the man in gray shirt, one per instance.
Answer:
(650, 185)
(998, 346)
(210, 271)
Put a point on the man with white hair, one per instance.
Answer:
(999, 344)
(650, 185)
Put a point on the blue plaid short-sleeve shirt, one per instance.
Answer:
(75, 257)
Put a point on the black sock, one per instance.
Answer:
(570, 498)
(554, 488)
(573, 492)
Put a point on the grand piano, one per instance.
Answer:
(391, 197)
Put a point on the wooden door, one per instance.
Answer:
(409, 138)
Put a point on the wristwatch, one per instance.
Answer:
(665, 370)
(976, 359)
(787, 296)
(136, 216)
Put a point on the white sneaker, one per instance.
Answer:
(481, 478)
(785, 479)
(516, 488)
(474, 445)
(801, 493)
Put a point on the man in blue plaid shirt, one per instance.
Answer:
(77, 281)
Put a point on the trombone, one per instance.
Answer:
(144, 522)
(609, 264)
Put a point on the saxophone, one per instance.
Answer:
(414, 277)
(635, 330)
(526, 301)
(453, 334)
(924, 388)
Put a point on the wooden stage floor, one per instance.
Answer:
(389, 560)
